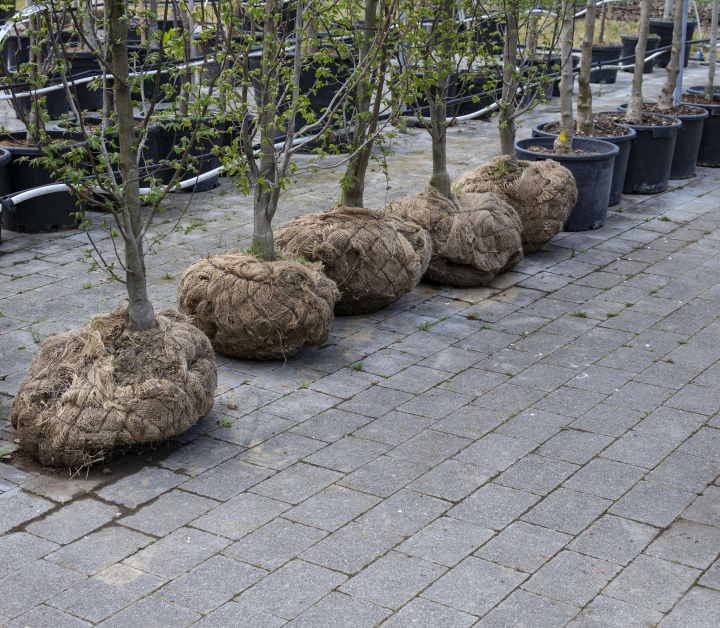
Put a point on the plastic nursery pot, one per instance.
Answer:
(687, 144)
(709, 152)
(476, 83)
(56, 102)
(605, 54)
(623, 142)
(42, 214)
(200, 159)
(592, 173)
(651, 155)
(628, 50)
(665, 31)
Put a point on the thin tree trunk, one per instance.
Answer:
(506, 119)
(634, 112)
(668, 10)
(563, 143)
(673, 67)
(710, 83)
(440, 178)
(585, 122)
(35, 58)
(186, 79)
(603, 19)
(354, 180)
(531, 36)
(139, 315)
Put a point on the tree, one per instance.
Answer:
(634, 111)
(563, 143)
(673, 67)
(709, 84)
(585, 123)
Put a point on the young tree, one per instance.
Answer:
(585, 123)
(673, 67)
(563, 143)
(710, 83)
(634, 113)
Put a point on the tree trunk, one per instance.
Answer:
(668, 10)
(585, 122)
(603, 20)
(186, 79)
(440, 178)
(634, 112)
(139, 315)
(673, 67)
(354, 181)
(506, 120)
(35, 58)
(263, 240)
(710, 84)
(563, 144)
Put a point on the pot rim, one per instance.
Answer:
(589, 144)
(679, 116)
(611, 139)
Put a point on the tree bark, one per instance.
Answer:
(563, 143)
(354, 180)
(673, 67)
(139, 315)
(603, 20)
(585, 122)
(710, 83)
(506, 121)
(668, 9)
(634, 112)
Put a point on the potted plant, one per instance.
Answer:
(598, 126)
(133, 377)
(708, 97)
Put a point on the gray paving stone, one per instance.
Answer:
(376, 402)
(700, 608)
(292, 589)
(429, 447)
(281, 451)
(423, 344)
(420, 613)
(474, 586)
(474, 382)
(332, 508)
(45, 617)
(509, 398)
(437, 403)
(640, 449)
(627, 359)
(106, 593)
(405, 513)
(59, 489)
(20, 548)
(414, 379)
(177, 552)
(527, 609)
(670, 423)
(251, 429)
(508, 361)
(567, 511)
(706, 508)
(233, 615)
(493, 506)
(344, 384)
(227, 480)
(688, 543)
(151, 612)
(394, 428)
(32, 585)
(240, 516)
(615, 539)
(575, 446)
(383, 476)
(684, 472)
(711, 578)
(332, 425)
(347, 454)
(495, 452)
(704, 444)
(452, 480)
(295, 484)
(211, 584)
(523, 546)
(696, 399)
(572, 578)
(570, 402)
(17, 507)
(605, 611)
(337, 609)
(652, 583)
(652, 503)
(73, 521)
(452, 359)
(140, 487)
(388, 362)
(351, 548)
(200, 455)
(545, 377)
(470, 422)
(446, 541)
(536, 474)
(393, 580)
(169, 512)
(533, 425)
(605, 478)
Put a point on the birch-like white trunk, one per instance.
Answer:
(585, 122)
(634, 111)
(673, 67)
(563, 143)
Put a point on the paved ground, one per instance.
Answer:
(546, 454)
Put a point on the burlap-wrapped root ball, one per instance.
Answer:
(94, 392)
(257, 310)
(374, 259)
(475, 236)
(543, 194)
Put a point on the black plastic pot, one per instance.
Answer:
(52, 212)
(605, 54)
(628, 50)
(665, 31)
(488, 31)
(687, 144)
(592, 173)
(201, 158)
(16, 49)
(475, 84)
(623, 142)
(709, 153)
(56, 103)
(651, 157)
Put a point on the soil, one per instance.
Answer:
(140, 357)
(24, 144)
(550, 151)
(700, 99)
(675, 110)
(648, 119)
(604, 127)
